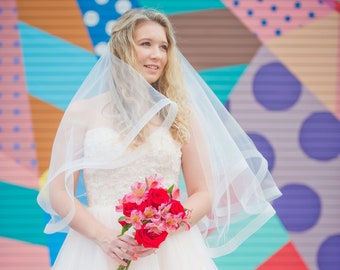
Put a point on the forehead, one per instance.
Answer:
(150, 30)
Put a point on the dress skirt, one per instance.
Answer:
(182, 250)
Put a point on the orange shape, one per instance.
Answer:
(286, 258)
(45, 120)
(61, 18)
(311, 53)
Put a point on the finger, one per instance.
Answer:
(120, 255)
(144, 253)
(128, 239)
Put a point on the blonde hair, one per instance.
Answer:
(171, 83)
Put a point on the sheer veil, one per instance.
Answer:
(116, 97)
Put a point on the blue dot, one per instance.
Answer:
(16, 111)
(16, 77)
(16, 146)
(1, 27)
(299, 208)
(275, 87)
(1, 147)
(319, 136)
(0, 111)
(297, 4)
(329, 253)
(18, 161)
(236, 3)
(259, 0)
(34, 163)
(250, 12)
(264, 22)
(0, 129)
(16, 129)
(0, 94)
(265, 148)
(16, 60)
(278, 32)
(32, 146)
(16, 94)
(274, 8)
(0, 44)
(16, 43)
(14, 10)
(311, 15)
(287, 18)
(320, 1)
(0, 10)
(15, 26)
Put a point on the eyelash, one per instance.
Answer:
(164, 47)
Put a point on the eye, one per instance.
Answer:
(146, 43)
(164, 47)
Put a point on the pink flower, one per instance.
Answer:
(154, 182)
(136, 219)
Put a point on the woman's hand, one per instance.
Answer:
(121, 247)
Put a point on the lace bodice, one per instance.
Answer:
(161, 155)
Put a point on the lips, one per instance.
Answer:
(153, 67)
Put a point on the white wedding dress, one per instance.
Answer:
(161, 155)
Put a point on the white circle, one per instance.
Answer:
(101, 2)
(122, 6)
(91, 18)
(100, 48)
(108, 27)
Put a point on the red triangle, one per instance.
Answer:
(286, 258)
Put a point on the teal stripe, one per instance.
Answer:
(256, 249)
(180, 6)
(54, 68)
(223, 79)
(21, 217)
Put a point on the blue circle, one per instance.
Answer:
(16, 60)
(264, 22)
(34, 163)
(275, 87)
(299, 208)
(0, 61)
(16, 43)
(16, 94)
(278, 32)
(265, 148)
(16, 146)
(273, 8)
(16, 129)
(0, 94)
(33, 145)
(297, 5)
(250, 12)
(16, 111)
(0, 129)
(287, 18)
(1, 146)
(329, 253)
(1, 27)
(16, 77)
(236, 3)
(311, 15)
(319, 136)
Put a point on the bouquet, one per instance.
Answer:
(152, 211)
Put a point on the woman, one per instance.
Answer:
(143, 110)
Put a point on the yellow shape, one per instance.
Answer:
(311, 54)
(43, 179)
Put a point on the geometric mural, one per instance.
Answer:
(274, 64)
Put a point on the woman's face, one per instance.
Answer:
(151, 50)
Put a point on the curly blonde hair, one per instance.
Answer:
(171, 83)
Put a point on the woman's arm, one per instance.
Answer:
(195, 172)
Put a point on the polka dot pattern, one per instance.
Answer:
(16, 134)
(329, 253)
(275, 18)
(99, 16)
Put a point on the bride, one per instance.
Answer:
(143, 110)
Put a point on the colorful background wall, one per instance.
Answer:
(274, 64)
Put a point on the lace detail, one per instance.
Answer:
(161, 154)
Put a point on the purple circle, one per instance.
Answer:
(299, 208)
(265, 148)
(275, 87)
(329, 253)
(319, 136)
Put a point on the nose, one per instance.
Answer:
(156, 53)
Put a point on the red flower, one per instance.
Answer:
(149, 239)
(158, 196)
(176, 207)
(122, 222)
(128, 207)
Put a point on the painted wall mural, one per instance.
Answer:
(274, 64)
